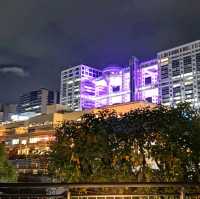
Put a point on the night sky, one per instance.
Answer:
(38, 38)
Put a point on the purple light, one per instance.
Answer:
(113, 86)
(147, 89)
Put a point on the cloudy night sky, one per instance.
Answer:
(39, 38)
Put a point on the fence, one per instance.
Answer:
(99, 191)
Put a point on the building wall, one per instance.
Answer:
(179, 74)
(6, 111)
(77, 87)
(35, 102)
(146, 83)
(125, 107)
(112, 87)
(84, 87)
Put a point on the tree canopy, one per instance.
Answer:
(159, 144)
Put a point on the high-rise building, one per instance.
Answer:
(35, 102)
(179, 74)
(77, 87)
(171, 78)
(84, 87)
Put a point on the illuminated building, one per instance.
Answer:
(146, 82)
(35, 102)
(84, 87)
(113, 86)
(124, 107)
(25, 139)
(171, 78)
(179, 74)
(77, 87)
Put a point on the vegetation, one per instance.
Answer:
(159, 144)
(7, 171)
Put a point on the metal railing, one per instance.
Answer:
(99, 191)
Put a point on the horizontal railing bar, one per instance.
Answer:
(30, 195)
(133, 195)
(95, 185)
(18, 194)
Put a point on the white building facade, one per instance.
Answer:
(179, 75)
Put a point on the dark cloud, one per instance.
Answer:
(13, 69)
(48, 35)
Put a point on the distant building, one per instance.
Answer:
(57, 108)
(179, 74)
(7, 111)
(36, 102)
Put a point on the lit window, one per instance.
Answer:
(33, 140)
(15, 141)
(24, 142)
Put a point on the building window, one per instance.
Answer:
(177, 91)
(165, 90)
(147, 80)
(149, 99)
(24, 142)
(15, 141)
(33, 140)
(116, 88)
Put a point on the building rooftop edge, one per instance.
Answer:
(179, 46)
(148, 61)
(122, 104)
(70, 67)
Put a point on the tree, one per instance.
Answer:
(159, 144)
(7, 171)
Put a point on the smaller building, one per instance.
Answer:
(57, 108)
(35, 102)
(27, 141)
(7, 111)
(125, 107)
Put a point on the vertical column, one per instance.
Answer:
(182, 193)
(68, 194)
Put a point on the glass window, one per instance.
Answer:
(116, 88)
(15, 141)
(147, 80)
